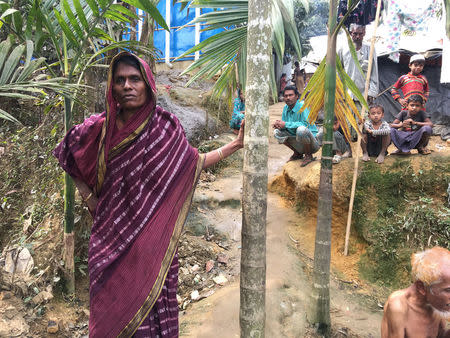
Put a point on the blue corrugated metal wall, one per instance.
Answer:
(180, 40)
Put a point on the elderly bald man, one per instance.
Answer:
(422, 309)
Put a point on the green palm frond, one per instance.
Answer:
(226, 50)
(21, 78)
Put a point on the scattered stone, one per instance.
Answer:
(10, 312)
(19, 260)
(86, 312)
(197, 279)
(42, 297)
(4, 295)
(184, 270)
(70, 325)
(52, 327)
(195, 295)
(179, 299)
(209, 265)
(185, 304)
(220, 279)
(195, 268)
(222, 258)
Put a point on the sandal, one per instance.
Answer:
(424, 151)
(295, 157)
(336, 159)
(307, 160)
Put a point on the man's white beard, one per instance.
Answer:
(442, 314)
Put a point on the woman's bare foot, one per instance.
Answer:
(366, 157)
(424, 151)
(380, 158)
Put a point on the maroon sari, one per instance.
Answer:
(144, 176)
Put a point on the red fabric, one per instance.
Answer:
(81, 160)
(410, 85)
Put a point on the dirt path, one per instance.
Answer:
(288, 273)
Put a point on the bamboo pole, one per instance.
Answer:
(358, 144)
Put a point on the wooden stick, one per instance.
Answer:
(358, 146)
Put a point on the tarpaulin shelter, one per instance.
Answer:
(175, 42)
(404, 31)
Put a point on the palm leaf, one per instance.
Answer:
(11, 63)
(222, 49)
(150, 8)
(73, 20)
(348, 83)
(5, 116)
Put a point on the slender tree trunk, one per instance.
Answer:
(148, 27)
(254, 201)
(133, 28)
(69, 197)
(91, 81)
(319, 313)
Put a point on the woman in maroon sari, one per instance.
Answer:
(136, 171)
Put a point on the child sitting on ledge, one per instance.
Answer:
(411, 128)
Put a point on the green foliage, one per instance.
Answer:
(309, 23)
(78, 33)
(399, 211)
(226, 52)
(30, 182)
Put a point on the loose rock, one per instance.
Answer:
(52, 326)
(4, 295)
(195, 295)
(220, 279)
(209, 265)
(222, 258)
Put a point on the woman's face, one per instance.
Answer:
(129, 88)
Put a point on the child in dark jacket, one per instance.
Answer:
(411, 128)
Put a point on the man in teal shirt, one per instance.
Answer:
(294, 131)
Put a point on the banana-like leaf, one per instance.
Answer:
(94, 7)
(351, 46)
(150, 8)
(124, 10)
(11, 63)
(73, 20)
(5, 116)
(5, 47)
(277, 31)
(348, 82)
(66, 29)
(8, 12)
(80, 14)
(222, 49)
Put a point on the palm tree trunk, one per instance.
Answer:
(254, 200)
(320, 302)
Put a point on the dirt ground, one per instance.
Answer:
(290, 246)
(209, 264)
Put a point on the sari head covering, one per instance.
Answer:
(144, 175)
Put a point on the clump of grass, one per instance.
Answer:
(218, 107)
(232, 161)
(399, 211)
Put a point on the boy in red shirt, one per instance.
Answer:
(412, 83)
